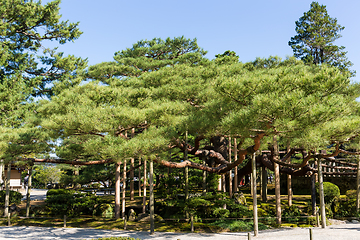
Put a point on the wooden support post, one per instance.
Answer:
(204, 180)
(321, 193)
(151, 183)
(139, 177)
(28, 190)
(64, 221)
(253, 179)
(311, 233)
(7, 192)
(358, 186)
(236, 182)
(289, 188)
(132, 179)
(186, 173)
(117, 190)
(230, 172)
(144, 187)
(192, 223)
(313, 194)
(277, 181)
(264, 184)
(123, 190)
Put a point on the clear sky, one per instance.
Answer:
(257, 28)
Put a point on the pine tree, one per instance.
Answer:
(316, 34)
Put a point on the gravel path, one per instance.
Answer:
(348, 231)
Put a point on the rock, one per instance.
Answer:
(132, 215)
(145, 217)
(336, 222)
(240, 198)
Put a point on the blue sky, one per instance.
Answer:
(257, 28)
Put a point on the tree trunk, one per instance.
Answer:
(117, 190)
(132, 179)
(186, 170)
(123, 191)
(186, 182)
(230, 172)
(358, 186)
(313, 193)
(219, 183)
(204, 181)
(28, 190)
(139, 177)
(277, 181)
(152, 208)
(223, 186)
(7, 187)
(321, 195)
(144, 187)
(236, 183)
(76, 173)
(253, 164)
(264, 184)
(289, 189)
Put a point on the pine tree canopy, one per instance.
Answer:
(316, 34)
(311, 105)
(28, 68)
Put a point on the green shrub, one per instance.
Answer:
(70, 203)
(347, 206)
(237, 225)
(331, 192)
(14, 197)
(104, 210)
(291, 214)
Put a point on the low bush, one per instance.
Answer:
(238, 225)
(331, 192)
(14, 197)
(347, 206)
(291, 214)
(61, 202)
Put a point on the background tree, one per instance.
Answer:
(29, 69)
(316, 34)
(46, 174)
